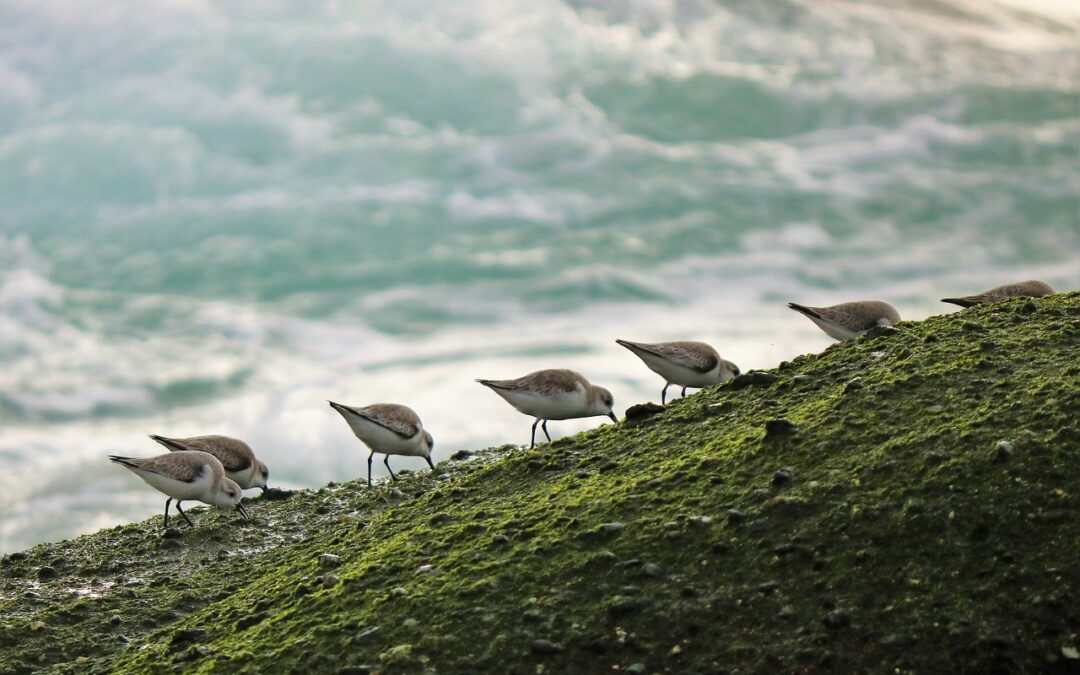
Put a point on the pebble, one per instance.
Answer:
(365, 635)
(837, 619)
(612, 528)
(768, 587)
(1003, 451)
(608, 466)
(735, 516)
(636, 414)
(329, 561)
(781, 476)
(780, 427)
(786, 612)
(500, 539)
(410, 623)
(461, 455)
(398, 592)
(172, 533)
(46, 572)
(699, 521)
(635, 668)
(621, 606)
(752, 378)
(854, 384)
(330, 580)
(169, 544)
(546, 647)
(651, 570)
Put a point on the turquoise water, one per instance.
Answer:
(213, 219)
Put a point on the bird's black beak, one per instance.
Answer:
(243, 511)
(430, 463)
(264, 488)
(613, 418)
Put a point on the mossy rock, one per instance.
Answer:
(925, 520)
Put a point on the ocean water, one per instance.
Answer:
(213, 218)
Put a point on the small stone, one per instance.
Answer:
(651, 570)
(461, 455)
(365, 635)
(837, 619)
(878, 331)
(1070, 653)
(987, 345)
(781, 476)
(1003, 451)
(801, 379)
(612, 529)
(398, 592)
(322, 509)
(735, 516)
(330, 580)
(398, 654)
(172, 533)
(780, 427)
(223, 555)
(854, 384)
(170, 544)
(636, 414)
(410, 623)
(116, 620)
(182, 637)
(397, 494)
(767, 587)
(500, 539)
(1027, 308)
(45, 572)
(425, 569)
(329, 561)
(545, 647)
(718, 408)
(621, 606)
(699, 521)
(609, 466)
(533, 616)
(635, 668)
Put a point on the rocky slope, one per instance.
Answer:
(902, 502)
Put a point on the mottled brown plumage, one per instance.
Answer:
(1023, 289)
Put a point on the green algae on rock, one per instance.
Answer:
(924, 519)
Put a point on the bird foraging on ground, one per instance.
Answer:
(389, 429)
(235, 455)
(1023, 289)
(554, 394)
(685, 364)
(186, 474)
(849, 319)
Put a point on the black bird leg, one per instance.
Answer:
(430, 463)
(386, 461)
(663, 394)
(532, 442)
(684, 392)
(167, 502)
(369, 467)
(544, 427)
(184, 514)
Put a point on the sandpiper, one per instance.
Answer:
(390, 429)
(554, 394)
(849, 319)
(186, 474)
(235, 455)
(1023, 289)
(686, 364)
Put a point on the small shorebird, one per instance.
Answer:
(390, 429)
(186, 474)
(235, 455)
(554, 394)
(1023, 289)
(849, 319)
(685, 364)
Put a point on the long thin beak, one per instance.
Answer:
(613, 418)
(243, 511)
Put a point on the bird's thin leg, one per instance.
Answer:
(544, 427)
(663, 394)
(532, 441)
(184, 514)
(369, 467)
(684, 392)
(167, 502)
(430, 463)
(386, 461)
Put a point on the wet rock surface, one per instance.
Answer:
(952, 483)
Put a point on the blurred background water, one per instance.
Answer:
(214, 217)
